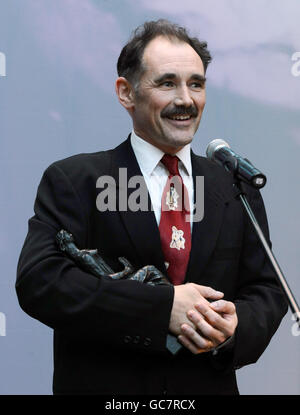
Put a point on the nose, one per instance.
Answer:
(183, 97)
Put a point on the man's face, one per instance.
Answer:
(171, 95)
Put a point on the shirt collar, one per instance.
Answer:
(148, 156)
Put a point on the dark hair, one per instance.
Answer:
(130, 60)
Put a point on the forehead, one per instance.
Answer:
(164, 55)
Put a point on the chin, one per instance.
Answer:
(180, 142)
(172, 146)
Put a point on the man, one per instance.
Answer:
(110, 336)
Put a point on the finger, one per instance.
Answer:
(196, 338)
(204, 328)
(189, 345)
(213, 318)
(208, 292)
(223, 306)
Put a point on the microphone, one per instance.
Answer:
(220, 152)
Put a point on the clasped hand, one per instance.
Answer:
(199, 324)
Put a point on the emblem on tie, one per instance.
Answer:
(175, 231)
(177, 240)
(171, 198)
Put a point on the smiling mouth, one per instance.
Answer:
(183, 121)
(180, 117)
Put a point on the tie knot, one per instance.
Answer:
(171, 163)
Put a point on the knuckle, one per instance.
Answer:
(192, 287)
(198, 340)
(213, 317)
(210, 290)
(204, 327)
(204, 344)
(195, 337)
(207, 330)
(230, 306)
(222, 303)
(216, 336)
(231, 309)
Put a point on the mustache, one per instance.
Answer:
(179, 110)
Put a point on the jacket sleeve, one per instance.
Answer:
(52, 289)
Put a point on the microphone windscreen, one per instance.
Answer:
(213, 146)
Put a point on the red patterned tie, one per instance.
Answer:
(175, 230)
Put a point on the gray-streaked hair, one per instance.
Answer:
(130, 64)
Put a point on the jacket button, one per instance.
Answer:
(147, 341)
(136, 339)
(127, 339)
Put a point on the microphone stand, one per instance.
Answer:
(279, 274)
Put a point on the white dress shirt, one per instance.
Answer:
(156, 174)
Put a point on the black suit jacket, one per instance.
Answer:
(110, 336)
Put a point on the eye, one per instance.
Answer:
(197, 85)
(168, 84)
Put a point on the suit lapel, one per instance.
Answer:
(140, 225)
(205, 232)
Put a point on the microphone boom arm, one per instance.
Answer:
(279, 274)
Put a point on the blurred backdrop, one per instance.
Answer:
(57, 72)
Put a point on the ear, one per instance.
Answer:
(125, 93)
